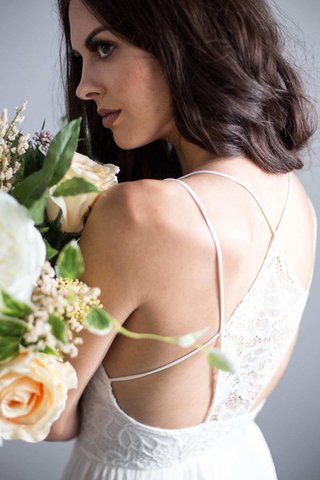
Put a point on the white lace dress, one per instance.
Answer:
(228, 445)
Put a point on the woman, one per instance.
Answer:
(201, 91)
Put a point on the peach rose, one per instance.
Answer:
(33, 393)
(74, 208)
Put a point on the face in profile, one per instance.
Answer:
(117, 75)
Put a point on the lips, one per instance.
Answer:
(103, 112)
(108, 117)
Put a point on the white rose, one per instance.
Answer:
(22, 250)
(75, 208)
(33, 393)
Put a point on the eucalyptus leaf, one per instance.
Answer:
(9, 348)
(219, 360)
(12, 327)
(59, 328)
(70, 262)
(74, 186)
(13, 307)
(98, 321)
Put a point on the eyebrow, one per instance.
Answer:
(89, 38)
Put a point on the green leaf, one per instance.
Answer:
(51, 252)
(51, 351)
(70, 262)
(31, 188)
(59, 328)
(219, 360)
(32, 161)
(74, 186)
(12, 327)
(9, 348)
(14, 308)
(43, 230)
(36, 211)
(56, 163)
(61, 151)
(98, 321)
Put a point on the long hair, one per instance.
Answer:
(233, 92)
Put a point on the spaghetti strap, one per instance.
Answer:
(240, 182)
(219, 264)
(221, 295)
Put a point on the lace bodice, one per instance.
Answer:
(258, 335)
(256, 338)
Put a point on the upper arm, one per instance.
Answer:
(109, 244)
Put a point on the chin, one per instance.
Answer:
(131, 144)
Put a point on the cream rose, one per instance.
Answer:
(33, 393)
(22, 250)
(75, 208)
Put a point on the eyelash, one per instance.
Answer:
(95, 46)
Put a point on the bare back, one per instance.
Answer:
(180, 283)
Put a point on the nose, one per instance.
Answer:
(87, 88)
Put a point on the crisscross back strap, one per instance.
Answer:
(240, 182)
(219, 266)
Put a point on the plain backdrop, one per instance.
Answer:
(290, 420)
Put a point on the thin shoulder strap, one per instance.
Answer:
(240, 182)
(221, 294)
(219, 263)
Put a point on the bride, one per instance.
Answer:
(208, 227)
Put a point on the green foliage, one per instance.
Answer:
(9, 348)
(12, 327)
(14, 308)
(11, 332)
(98, 321)
(70, 262)
(37, 209)
(74, 186)
(61, 151)
(51, 351)
(55, 165)
(59, 328)
(51, 252)
(32, 161)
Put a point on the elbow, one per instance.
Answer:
(62, 432)
(61, 437)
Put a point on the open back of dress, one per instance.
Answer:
(228, 444)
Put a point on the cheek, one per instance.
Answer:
(147, 86)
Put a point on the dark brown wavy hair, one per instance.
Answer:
(233, 92)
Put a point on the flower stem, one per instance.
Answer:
(11, 124)
(150, 336)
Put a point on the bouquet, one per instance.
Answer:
(47, 190)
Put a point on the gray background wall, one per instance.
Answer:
(290, 420)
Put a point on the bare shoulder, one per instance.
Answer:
(125, 225)
(134, 205)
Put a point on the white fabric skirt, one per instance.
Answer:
(243, 455)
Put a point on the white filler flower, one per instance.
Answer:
(22, 250)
